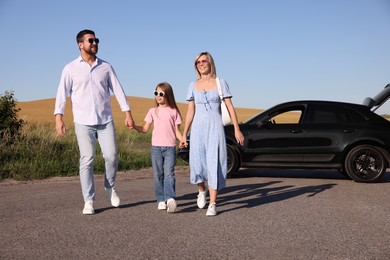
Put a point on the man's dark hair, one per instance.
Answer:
(80, 35)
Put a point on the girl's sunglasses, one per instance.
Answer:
(161, 94)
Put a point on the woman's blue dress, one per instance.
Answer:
(208, 158)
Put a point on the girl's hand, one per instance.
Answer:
(183, 142)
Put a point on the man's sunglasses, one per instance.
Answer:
(161, 94)
(91, 40)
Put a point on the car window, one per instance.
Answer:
(356, 116)
(284, 114)
(287, 117)
(328, 114)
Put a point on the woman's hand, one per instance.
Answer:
(183, 142)
(239, 137)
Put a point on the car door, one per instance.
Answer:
(277, 137)
(329, 129)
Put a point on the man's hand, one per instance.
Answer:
(60, 125)
(129, 122)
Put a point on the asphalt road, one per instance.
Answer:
(263, 214)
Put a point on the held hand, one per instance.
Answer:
(183, 142)
(129, 122)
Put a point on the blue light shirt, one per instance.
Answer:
(90, 91)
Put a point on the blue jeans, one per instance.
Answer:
(86, 138)
(163, 162)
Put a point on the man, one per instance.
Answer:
(89, 80)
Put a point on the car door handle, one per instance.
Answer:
(347, 131)
(296, 131)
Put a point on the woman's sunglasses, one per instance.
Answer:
(161, 94)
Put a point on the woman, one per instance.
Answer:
(208, 157)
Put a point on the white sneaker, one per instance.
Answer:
(162, 205)
(201, 201)
(88, 208)
(171, 203)
(113, 196)
(212, 210)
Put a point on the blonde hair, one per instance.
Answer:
(211, 61)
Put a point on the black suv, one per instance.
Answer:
(315, 134)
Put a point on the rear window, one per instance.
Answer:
(365, 115)
(328, 114)
(357, 116)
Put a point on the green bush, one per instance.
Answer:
(10, 124)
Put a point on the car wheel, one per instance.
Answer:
(365, 163)
(232, 162)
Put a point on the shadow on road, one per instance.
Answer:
(124, 206)
(300, 173)
(253, 195)
(256, 194)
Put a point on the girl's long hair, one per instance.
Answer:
(169, 96)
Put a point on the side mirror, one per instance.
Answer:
(265, 123)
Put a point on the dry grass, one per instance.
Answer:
(41, 111)
(36, 155)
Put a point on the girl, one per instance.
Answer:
(166, 119)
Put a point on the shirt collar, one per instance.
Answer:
(80, 59)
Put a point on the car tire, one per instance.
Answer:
(365, 163)
(232, 162)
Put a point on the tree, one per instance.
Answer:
(10, 124)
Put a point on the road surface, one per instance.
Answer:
(262, 214)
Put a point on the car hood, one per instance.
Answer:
(375, 102)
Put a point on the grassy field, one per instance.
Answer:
(39, 153)
(41, 111)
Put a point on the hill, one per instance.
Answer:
(41, 111)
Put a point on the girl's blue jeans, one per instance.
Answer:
(163, 162)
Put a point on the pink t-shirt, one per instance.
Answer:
(165, 120)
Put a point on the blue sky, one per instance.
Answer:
(269, 51)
